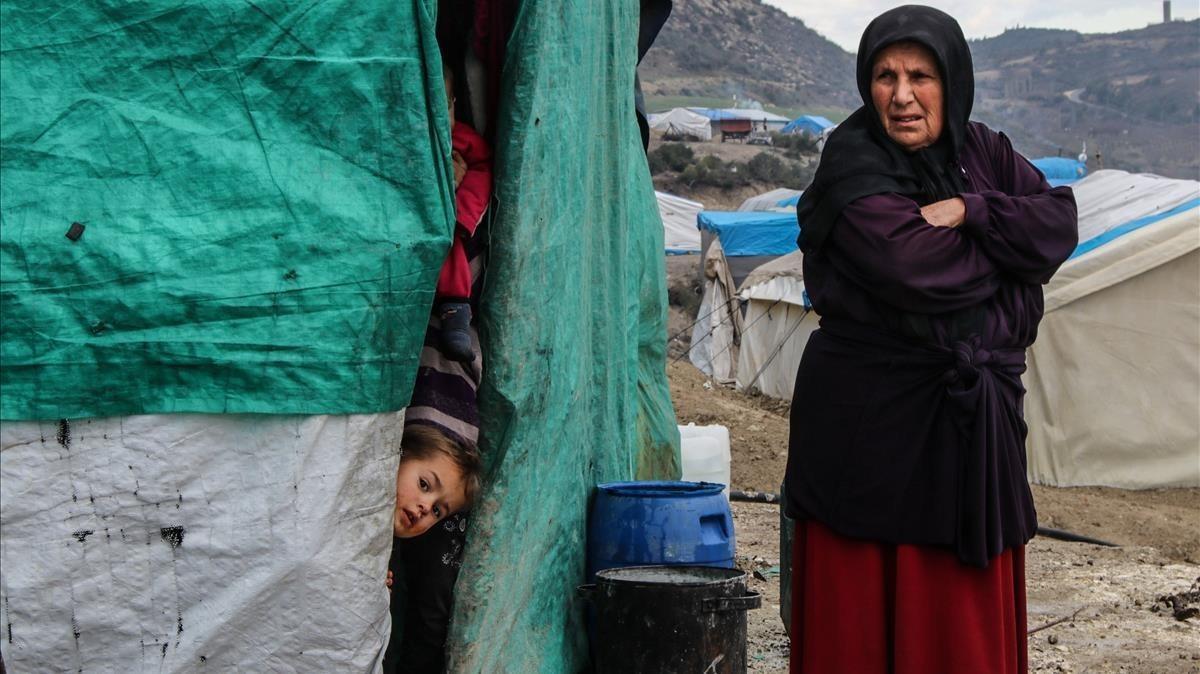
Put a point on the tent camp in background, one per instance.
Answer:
(778, 200)
(680, 235)
(735, 123)
(810, 125)
(1114, 376)
(683, 124)
(1060, 170)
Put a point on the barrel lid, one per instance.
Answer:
(658, 489)
(687, 576)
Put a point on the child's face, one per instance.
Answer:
(426, 491)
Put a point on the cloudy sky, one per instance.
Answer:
(843, 22)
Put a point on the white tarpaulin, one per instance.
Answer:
(182, 543)
(680, 234)
(719, 321)
(682, 122)
(1114, 376)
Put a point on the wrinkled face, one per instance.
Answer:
(427, 490)
(907, 90)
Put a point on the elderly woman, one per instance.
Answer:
(926, 240)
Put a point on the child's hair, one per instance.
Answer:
(422, 441)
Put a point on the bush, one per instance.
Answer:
(794, 145)
(670, 157)
(767, 168)
(711, 170)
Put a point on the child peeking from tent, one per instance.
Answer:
(472, 160)
(438, 476)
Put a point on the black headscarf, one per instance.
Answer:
(860, 159)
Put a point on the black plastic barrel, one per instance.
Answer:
(652, 619)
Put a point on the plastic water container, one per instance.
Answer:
(705, 454)
(652, 523)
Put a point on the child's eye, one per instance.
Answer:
(424, 485)
(437, 511)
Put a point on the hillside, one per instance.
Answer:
(723, 48)
(1133, 95)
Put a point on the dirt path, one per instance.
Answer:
(1114, 590)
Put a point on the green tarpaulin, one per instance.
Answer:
(265, 191)
(575, 325)
(265, 197)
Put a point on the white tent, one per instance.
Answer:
(781, 199)
(680, 234)
(1114, 376)
(777, 325)
(682, 122)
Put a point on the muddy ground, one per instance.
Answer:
(1118, 624)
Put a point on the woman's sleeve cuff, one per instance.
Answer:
(975, 222)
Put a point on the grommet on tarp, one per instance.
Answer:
(75, 231)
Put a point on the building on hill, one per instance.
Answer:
(737, 123)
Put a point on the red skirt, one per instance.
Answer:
(873, 608)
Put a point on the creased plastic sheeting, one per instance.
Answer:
(265, 191)
(719, 320)
(181, 543)
(575, 326)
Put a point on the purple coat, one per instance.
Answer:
(906, 421)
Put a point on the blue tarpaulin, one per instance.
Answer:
(1060, 170)
(810, 124)
(752, 232)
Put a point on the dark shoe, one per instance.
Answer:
(455, 337)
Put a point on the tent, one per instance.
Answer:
(778, 321)
(1114, 376)
(781, 199)
(748, 238)
(1060, 170)
(680, 235)
(201, 387)
(734, 243)
(682, 122)
(812, 125)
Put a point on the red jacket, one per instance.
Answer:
(475, 191)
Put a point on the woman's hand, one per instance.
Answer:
(946, 213)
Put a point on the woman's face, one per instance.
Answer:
(907, 91)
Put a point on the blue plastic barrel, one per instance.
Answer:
(643, 523)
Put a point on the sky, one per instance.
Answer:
(843, 22)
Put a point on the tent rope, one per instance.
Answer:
(778, 349)
(710, 313)
(728, 318)
(744, 331)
